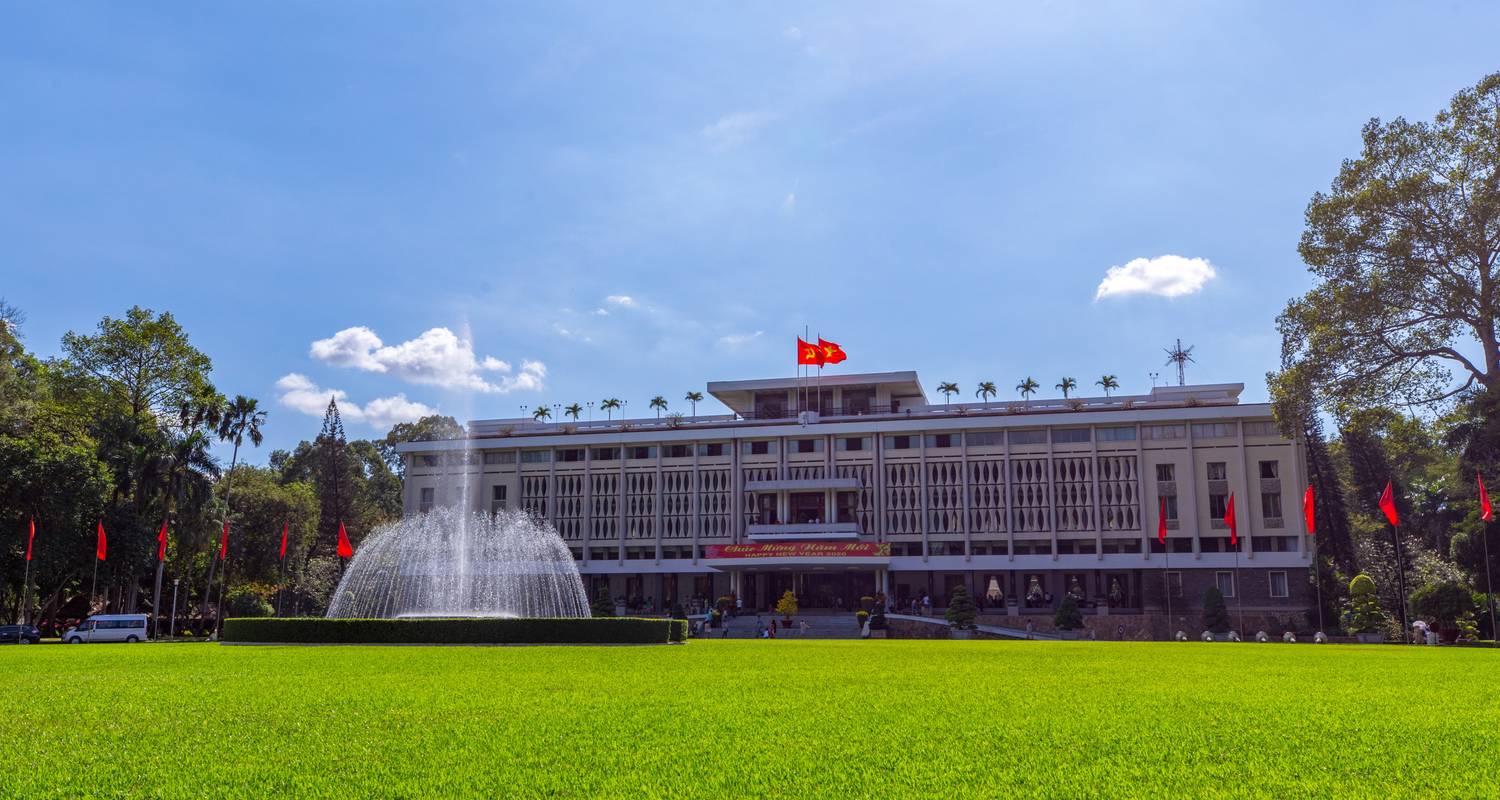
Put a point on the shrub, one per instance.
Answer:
(245, 602)
(1362, 611)
(299, 630)
(961, 611)
(787, 605)
(1068, 617)
(860, 616)
(603, 605)
(1445, 603)
(1215, 613)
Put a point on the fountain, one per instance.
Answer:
(451, 563)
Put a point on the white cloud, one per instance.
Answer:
(599, 312)
(569, 333)
(1164, 276)
(621, 300)
(299, 393)
(735, 129)
(734, 340)
(436, 358)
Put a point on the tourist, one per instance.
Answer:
(805, 627)
(926, 605)
(772, 630)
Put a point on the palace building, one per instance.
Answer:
(859, 485)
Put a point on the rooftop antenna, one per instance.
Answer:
(1177, 355)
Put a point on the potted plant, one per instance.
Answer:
(787, 607)
(877, 623)
(1215, 613)
(1445, 603)
(961, 613)
(1363, 617)
(1068, 618)
(859, 619)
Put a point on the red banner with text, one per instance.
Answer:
(799, 550)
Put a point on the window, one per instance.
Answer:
(1225, 581)
(497, 499)
(640, 452)
(570, 454)
(1213, 430)
(1270, 504)
(428, 461)
(942, 440)
(1070, 435)
(762, 447)
(506, 457)
(1028, 437)
(1273, 544)
(536, 456)
(1174, 584)
(605, 454)
(1171, 502)
(713, 449)
(678, 451)
(1217, 471)
(1124, 433)
(985, 438)
(1278, 583)
(1166, 472)
(1270, 471)
(424, 504)
(1218, 504)
(846, 504)
(805, 446)
(1261, 429)
(900, 442)
(1163, 432)
(854, 443)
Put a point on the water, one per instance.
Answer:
(453, 563)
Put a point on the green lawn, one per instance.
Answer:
(730, 719)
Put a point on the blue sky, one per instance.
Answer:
(623, 200)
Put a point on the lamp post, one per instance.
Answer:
(172, 625)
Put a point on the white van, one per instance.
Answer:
(108, 628)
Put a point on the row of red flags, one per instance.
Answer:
(1387, 506)
(101, 542)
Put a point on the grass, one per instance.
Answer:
(731, 719)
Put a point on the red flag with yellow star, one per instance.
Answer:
(832, 353)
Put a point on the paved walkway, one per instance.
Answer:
(994, 630)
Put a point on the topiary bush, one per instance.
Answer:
(603, 605)
(568, 630)
(1362, 611)
(961, 610)
(1215, 613)
(787, 605)
(1068, 617)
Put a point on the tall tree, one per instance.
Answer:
(331, 481)
(142, 362)
(431, 428)
(948, 389)
(986, 391)
(1405, 248)
(1108, 383)
(660, 404)
(695, 398)
(1027, 388)
(1067, 385)
(609, 406)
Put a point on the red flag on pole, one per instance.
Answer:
(808, 354)
(224, 542)
(102, 543)
(1234, 531)
(31, 537)
(1161, 522)
(281, 556)
(345, 549)
(1388, 504)
(1309, 519)
(832, 353)
(161, 542)
(1486, 513)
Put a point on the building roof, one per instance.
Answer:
(740, 395)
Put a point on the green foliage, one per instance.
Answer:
(437, 427)
(623, 630)
(603, 605)
(243, 601)
(1215, 613)
(1444, 603)
(787, 605)
(961, 610)
(1362, 611)
(1068, 617)
(877, 618)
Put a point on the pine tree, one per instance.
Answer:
(1215, 613)
(1068, 617)
(961, 610)
(333, 491)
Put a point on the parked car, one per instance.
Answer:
(108, 628)
(20, 634)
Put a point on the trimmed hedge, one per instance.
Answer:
(317, 630)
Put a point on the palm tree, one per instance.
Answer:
(1107, 383)
(985, 391)
(948, 390)
(693, 397)
(241, 418)
(573, 411)
(541, 413)
(609, 405)
(1067, 385)
(1027, 388)
(660, 404)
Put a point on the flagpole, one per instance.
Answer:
(1489, 586)
(280, 584)
(156, 603)
(1166, 581)
(1239, 596)
(1401, 579)
(26, 587)
(93, 587)
(219, 606)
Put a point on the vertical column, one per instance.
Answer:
(552, 487)
(1098, 506)
(1192, 491)
(922, 487)
(963, 444)
(1140, 495)
(1051, 494)
(1244, 492)
(1010, 513)
(588, 504)
(697, 488)
(620, 493)
(660, 495)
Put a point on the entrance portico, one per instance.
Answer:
(823, 575)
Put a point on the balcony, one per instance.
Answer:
(809, 484)
(770, 532)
